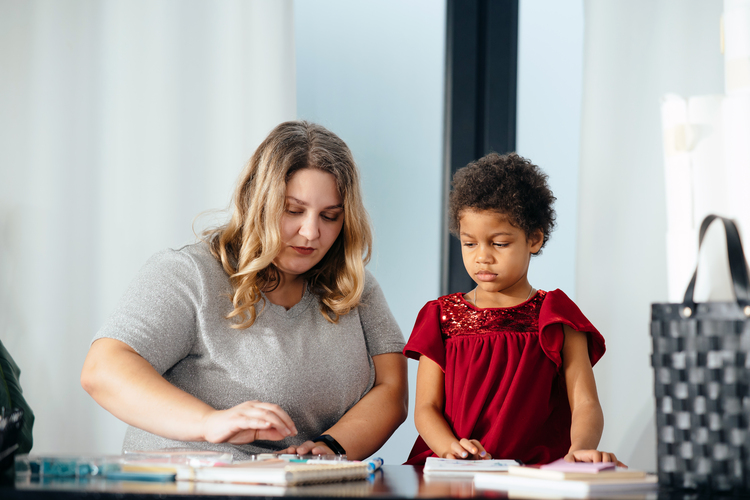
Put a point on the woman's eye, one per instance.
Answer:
(330, 217)
(293, 212)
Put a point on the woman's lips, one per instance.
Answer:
(304, 250)
(485, 276)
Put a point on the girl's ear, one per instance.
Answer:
(535, 241)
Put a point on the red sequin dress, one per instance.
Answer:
(504, 384)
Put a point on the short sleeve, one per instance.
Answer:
(557, 310)
(382, 333)
(157, 314)
(426, 338)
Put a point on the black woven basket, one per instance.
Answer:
(701, 361)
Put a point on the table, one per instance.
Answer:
(392, 481)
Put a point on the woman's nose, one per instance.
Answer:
(310, 229)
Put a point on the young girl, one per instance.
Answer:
(505, 369)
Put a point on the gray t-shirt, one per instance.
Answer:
(174, 315)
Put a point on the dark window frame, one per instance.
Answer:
(480, 102)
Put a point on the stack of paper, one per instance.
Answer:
(573, 479)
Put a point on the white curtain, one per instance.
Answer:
(120, 122)
(635, 53)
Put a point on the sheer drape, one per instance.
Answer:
(635, 53)
(119, 123)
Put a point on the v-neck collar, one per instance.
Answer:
(295, 310)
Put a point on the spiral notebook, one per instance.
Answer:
(282, 472)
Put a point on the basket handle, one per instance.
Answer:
(737, 267)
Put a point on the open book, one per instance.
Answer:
(449, 467)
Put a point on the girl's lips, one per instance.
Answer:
(304, 250)
(485, 276)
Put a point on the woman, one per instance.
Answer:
(269, 335)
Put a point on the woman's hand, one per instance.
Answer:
(124, 383)
(592, 456)
(248, 422)
(309, 448)
(469, 449)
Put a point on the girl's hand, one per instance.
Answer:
(248, 422)
(593, 456)
(469, 449)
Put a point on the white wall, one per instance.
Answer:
(635, 52)
(119, 123)
(550, 74)
(373, 73)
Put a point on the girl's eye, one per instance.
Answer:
(500, 245)
(468, 244)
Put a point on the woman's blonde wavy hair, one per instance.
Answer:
(247, 245)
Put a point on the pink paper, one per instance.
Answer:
(590, 467)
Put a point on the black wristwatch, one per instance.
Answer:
(331, 443)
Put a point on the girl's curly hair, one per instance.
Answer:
(507, 184)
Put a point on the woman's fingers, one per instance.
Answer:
(310, 448)
(248, 422)
(279, 412)
(264, 415)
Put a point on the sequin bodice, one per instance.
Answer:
(458, 317)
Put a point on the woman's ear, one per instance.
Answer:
(536, 240)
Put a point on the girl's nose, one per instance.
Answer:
(310, 229)
(484, 256)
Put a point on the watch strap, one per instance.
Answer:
(331, 443)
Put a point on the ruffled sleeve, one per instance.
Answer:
(426, 338)
(557, 310)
